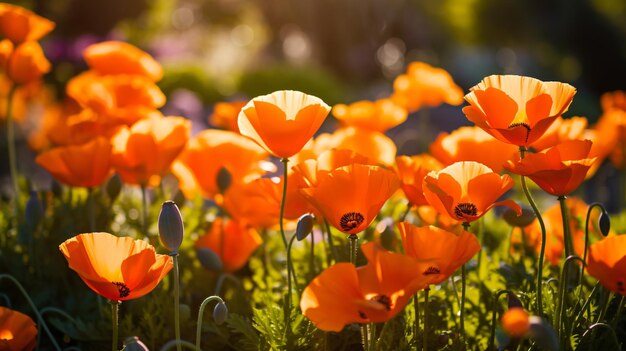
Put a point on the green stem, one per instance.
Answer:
(466, 226)
(144, 204)
(176, 299)
(290, 272)
(333, 249)
(40, 319)
(364, 340)
(285, 161)
(372, 335)
(583, 308)
(312, 257)
(91, 208)
(605, 297)
(115, 305)
(220, 282)
(542, 251)
(567, 236)
(562, 306)
(353, 238)
(425, 335)
(595, 204)
(494, 316)
(591, 329)
(416, 310)
(201, 314)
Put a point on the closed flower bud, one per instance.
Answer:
(543, 334)
(523, 220)
(133, 343)
(220, 313)
(224, 179)
(34, 211)
(513, 301)
(171, 228)
(114, 187)
(209, 259)
(604, 223)
(304, 226)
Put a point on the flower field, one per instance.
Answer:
(287, 220)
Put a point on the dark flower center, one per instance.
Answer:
(525, 125)
(351, 220)
(122, 288)
(465, 209)
(383, 300)
(432, 270)
(620, 286)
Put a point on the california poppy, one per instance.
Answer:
(374, 145)
(516, 109)
(472, 144)
(350, 197)
(610, 132)
(614, 100)
(425, 85)
(118, 268)
(607, 263)
(85, 165)
(144, 152)
(256, 203)
(558, 170)
(232, 241)
(372, 293)
(27, 63)
(20, 25)
(117, 57)
(378, 115)
(561, 130)
(446, 251)
(411, 171)
(225, 115)
(466, 190)
(283, 121)
(516, 322)
(17, 331)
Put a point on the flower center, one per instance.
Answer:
(122, 288)
(620, 286)
(383, 300)
(465, 209)
(351, 220)
(432, 270)
(525, 125)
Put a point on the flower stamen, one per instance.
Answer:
(122, 288)
(383, 300)
(465, 209)
(432, 270)
(351, 220)
(525, 125)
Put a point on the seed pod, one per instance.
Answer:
(209, 259)
(114, 187)
(133, 343)
(523, 220)
(224, 179)
(220, 313)
(171, 228)
(304, 226)
(604, 223)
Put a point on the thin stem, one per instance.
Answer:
(562, 306)
(289, 273)
(144, 204)
(405, 213)
(425, 335)
(91, 208)
(539, 292)
(372, 336)
(591, 329)
(333, 249)
(364, 340)
(466, 226)
(285, 161)
(179, 343)
(220, 282)
(353, 238)
(595, 204)
(176, 300)
(40, 319)
(494, 316)
(416, 310)
(115, 305)
(584, 307)
(201, 314)
(604, 302)
(567, 236)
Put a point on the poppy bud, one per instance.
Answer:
(604, 222)
(34, 211)
(171, 228)
(523, 220)
(304, 226)
(220, 313)
(133, 343)
(543, 334)
(224, 179)
(513, 301)
(27, 63)
(209, 259)
(114, 187)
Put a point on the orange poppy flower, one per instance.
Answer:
(6, 49)
(411, 171)
(425, 85)
(225, 115)
(615, 100)
(445, 250)
(283, 121)
(17, 331)
(558, 170)
(472, 144)
(350, 197)
(428, 215)
(27, 63)
(466, 190)
(378, 115)
(118, 268)
(611, 135)
(256, 204)
(372, 293)
(607, 263)
(85, 165)
(143, 153)
(20, 25)
(561, 130)
(516, 322)
(376, 146)
(116, 57)
(239, 242)
(553, 222)
(515, 109)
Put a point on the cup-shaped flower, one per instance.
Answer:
(515, 109)
(350, 197)
(144, 153)
(116, 57)
(85, 165)
(256, 203)
(18, 332)
(411, 171)
(118, 268)
(561, 130)
(20, 25)
(447, 251)
(378, 115)
(558, 170)
(27, 63)
(376, 292)
(466, 190)
(231, 241)
(376, 146)
(226, 114)
(607, 263)
(472, 144)
(283, 121)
